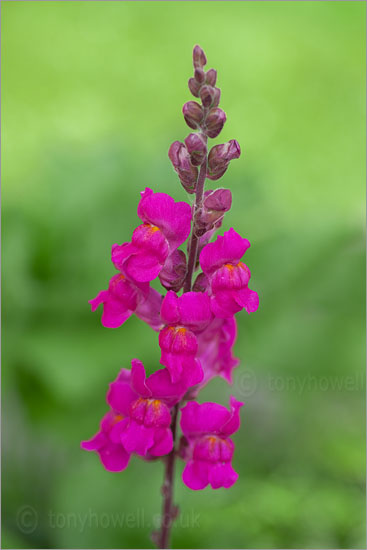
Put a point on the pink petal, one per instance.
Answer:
(119, 253)
(248, 299)
(169, 311)
(120, 396)
(114, 314)
(224, 304)
(137, 438)
(114, 458)
(162, 387)
(173, 218)
(138, 378)
(195, 309)
(196, 475)
(222, 475)
(163, 442)
(227, 249)
(233, 422)
(143, 266)
(99, 299)
(207, 418)
(149, 310)
(95, 443)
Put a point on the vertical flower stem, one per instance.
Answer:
(169, 510)
(194, 242)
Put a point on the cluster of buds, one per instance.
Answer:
(208, 120)
(196, 329)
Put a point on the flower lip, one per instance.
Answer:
(150, 412)
(213, 448)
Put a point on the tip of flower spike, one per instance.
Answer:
(198, 57)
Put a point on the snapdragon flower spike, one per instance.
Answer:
(184, 317)
(207, 428)
(228, 276)
(166, 225)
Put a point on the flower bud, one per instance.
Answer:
(219, 200)
(214, 122)
(211, 77)
(220, 156)
(207, 95)
(193, 114)
(173, 274)
(180, 159)
(201, 283)
(194, 87)
(199, 75)
(198, 57)
(196, 146)
(216, 204)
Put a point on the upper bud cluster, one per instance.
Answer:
(207, 116)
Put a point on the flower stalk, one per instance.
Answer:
(196, 329)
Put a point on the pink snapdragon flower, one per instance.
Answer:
(166, 225)
(146, 404)
(123, 298)
(227, 276)
(184, 317)
(207, 428)
(139, 419)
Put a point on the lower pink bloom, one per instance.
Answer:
(207, 428)
(140, 417)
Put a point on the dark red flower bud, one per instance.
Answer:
(194, 87)
(219, 200)
(173, 274)
(198, 57)
(201, 283)
(199, 75)
(207, 95)
(214, 122)
(196, 146)
(211, 77)
(193, 114)
(220, 156)
(180, 159)
(216, 204)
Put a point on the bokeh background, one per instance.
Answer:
(91, 100)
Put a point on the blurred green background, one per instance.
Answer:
(91, 100)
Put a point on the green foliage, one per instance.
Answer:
(91, 101)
